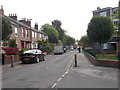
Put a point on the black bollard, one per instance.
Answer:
(12, 61)
(75, 57)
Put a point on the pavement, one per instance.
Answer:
(84, 67)
(8, 67)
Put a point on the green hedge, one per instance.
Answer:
(119, 55)
(90, 51)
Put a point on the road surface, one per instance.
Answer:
(58, 71)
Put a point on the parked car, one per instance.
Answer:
(32, 56)
(58, 49)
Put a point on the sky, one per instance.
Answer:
(73, 14)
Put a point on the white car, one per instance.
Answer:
(58, 50)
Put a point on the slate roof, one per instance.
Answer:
(17, 23)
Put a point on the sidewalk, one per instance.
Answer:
(8, 67)
(86, 68)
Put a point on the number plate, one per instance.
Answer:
(26, 59)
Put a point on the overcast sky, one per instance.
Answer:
(74, 14)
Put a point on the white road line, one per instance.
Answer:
(66, 72)
(59, 79)
(63, 75)
(54, 85)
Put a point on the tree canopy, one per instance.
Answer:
(51, 32)
(70, 40)
(6, 29)
(119, 19)
(100, 29)
(57, 25)
(85, 42)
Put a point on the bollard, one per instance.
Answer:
(75, 57)
(12, 61)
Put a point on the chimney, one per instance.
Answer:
(13, 16)
(36, 26)
(28, 22)
(23, 20)
(2, 11)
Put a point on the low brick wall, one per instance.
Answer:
(100, 62)
(8, 59)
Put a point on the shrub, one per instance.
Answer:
(10, 50)
(22, 50)
(119, 55)
(12, 43)
(46, 48)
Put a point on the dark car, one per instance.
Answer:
(32, 56)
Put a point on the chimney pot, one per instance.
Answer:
(2, 7)
(36, 26)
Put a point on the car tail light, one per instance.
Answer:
(33, 54)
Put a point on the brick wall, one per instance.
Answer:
(8, 58)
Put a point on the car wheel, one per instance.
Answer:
(23, 62)
(37, 60)
(44, 58)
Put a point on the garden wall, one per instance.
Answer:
(100, 62)
(8, 58)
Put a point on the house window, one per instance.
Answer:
(26, 33)
(33, 34)
(16, 32)
(40, 35)
(103, 14)
(23, 32)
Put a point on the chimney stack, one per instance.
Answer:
(2, 11)
(36, 26)
(13, 16)
(27, 22)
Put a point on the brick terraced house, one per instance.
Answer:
(25, 35)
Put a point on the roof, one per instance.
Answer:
(115, 39)
(17, 23)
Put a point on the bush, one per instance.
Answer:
(12, 43)
(10, 50)
(119, 55)
(90, 51)
(22, 50)
(46, 48)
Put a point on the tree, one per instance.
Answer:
(100, 29)
(70, 40)
(119, 18)
(57, 25)
(85, 42)
(51, 32)
(6, 29)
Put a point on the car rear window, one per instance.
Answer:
(30, 51)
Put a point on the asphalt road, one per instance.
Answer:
(58, 71)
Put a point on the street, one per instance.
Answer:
(58, 71)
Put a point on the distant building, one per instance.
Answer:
(111, 12)
(25, 35)
(113, 44)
